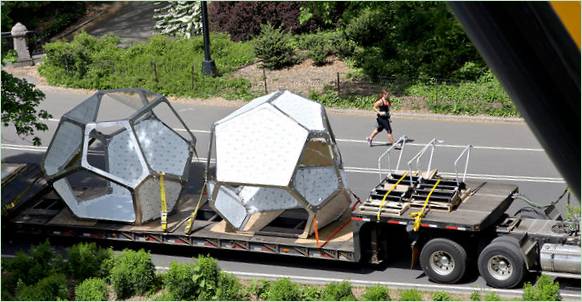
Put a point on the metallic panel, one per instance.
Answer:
(230, 208)
(305, 112)
(148, 195)
(260, 199)
(316, 184)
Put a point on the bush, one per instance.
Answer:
(475, 296)
(206, 277)
(410, 295)
(283, 290)
(545, 289)
(230, 288)
(167, 66)
(319, 54)
(87, 260)
(491, 296)
(178, 281)
(310, 293)
(50, 288)
(441, 296)
(338, 291)
(162, 295)
(38, 264)
(259, 288)
(133, 273)
(273, 48)
(243, 20)
(376, 293)
(92, 289)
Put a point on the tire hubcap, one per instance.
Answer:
(499, 267)
(442, 263)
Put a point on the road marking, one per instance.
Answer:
(429, 287)
(345, 140)
(538, 179)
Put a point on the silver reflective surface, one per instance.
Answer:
(97, 138)
(279, 154)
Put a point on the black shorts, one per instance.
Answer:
(383, 124)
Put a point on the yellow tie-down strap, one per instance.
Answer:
(388, 192)
(418, 215)
(164, 205)
(190, 222)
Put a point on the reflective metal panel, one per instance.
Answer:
(230, 208)
(316, 184)
(65, 145)
(304, 111)
(260, 199)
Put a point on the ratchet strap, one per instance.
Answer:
(164, 204)
(190, 222)
(418, 215)
(388, 192)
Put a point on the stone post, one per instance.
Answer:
(19, 32)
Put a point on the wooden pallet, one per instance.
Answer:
(390, 207)
(438, 205)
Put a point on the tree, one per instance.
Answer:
(179, 19)
(20, 100)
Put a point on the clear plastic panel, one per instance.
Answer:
(86, 112)
(119, 106)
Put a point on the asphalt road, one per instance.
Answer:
(503, 152)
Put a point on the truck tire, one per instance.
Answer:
(501, 264)
(443, 260)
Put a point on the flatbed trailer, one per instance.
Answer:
(477, 221)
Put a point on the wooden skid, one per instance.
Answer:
(433, 205)
(396, 208)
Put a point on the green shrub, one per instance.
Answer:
(133, 273)
(40, 262)
(259, 288)
(273, 48)
(310, 293)
(410, 295)
(230, 288)
(206, 277)
(441, 296)
(545, 289)
(178, 281)
(319, 54)
(376, 293)
(283, 290)
(475, 296)
(491, 296)
(92, 289)
(164, 65)
(338, 291)
(50, 288)
(87, 260)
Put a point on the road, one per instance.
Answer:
(503, 152)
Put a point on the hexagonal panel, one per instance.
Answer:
(228, 205)
(259, 147)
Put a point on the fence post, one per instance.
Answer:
(18, 33)
(338, 84)
(265, 80)
(155, 70)
(192, 74)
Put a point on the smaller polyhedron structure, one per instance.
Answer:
(275, 154)
(107, 155)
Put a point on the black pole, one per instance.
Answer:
(208, 66)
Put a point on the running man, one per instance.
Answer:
(382, 108)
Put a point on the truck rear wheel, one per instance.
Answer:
(501, 264)
(443, 260)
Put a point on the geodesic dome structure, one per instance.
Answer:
(108, 152)
(276, 153)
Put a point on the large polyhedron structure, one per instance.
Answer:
(107, 155)
(277, 153)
